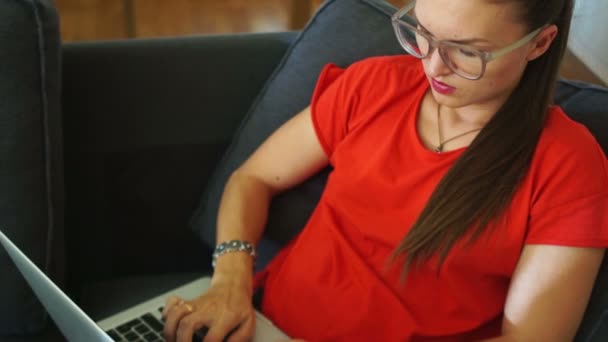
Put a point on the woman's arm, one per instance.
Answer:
(289, 156)
(549, 292)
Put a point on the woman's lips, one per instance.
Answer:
(442, 88)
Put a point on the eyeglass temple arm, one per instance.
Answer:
(404, 10)
(516, 45)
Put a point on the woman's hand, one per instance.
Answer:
(225, 309)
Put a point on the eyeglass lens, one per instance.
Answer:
(462, 60)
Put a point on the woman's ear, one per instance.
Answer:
(542, 42)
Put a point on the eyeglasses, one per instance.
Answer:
(464, 60)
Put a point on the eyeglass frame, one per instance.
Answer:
(486, 56)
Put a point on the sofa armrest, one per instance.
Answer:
(145, 122)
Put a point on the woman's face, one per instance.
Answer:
(489, 26)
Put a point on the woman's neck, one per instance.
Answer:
(473, 115)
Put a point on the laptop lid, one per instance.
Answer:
(69, 318)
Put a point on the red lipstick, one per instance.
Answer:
(442, 88)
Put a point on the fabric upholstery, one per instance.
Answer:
(145, 121)
(31, 190)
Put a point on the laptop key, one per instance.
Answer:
(141, 329)
(114, 335)
(126, 327)
(123, 329)
(153, 322)
(199, 335)
(150, 337)
(131, 336)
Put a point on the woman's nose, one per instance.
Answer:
(436, 65)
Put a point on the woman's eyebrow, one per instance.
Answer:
(459, 41)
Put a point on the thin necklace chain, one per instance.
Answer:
(439, 148)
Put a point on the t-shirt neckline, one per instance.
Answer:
(419, 144)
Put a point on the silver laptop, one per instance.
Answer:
(139, 323)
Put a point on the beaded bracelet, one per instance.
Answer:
(230, 247)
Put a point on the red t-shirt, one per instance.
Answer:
(332, 282)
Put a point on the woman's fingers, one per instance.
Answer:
(226, 310)
(234, 328)
(169, 303)
(189, 324)
(174, 315)
(220, 329)
(245, 331)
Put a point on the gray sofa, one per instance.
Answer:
(113, 154)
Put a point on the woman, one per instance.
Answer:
(461, 207)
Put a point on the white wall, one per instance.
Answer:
(589, 35)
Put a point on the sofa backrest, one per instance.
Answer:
(31, 186)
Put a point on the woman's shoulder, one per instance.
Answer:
(569, 185)
(381, 76)
(398, 66)
(568, 148)
(562, 134)
(390, 62)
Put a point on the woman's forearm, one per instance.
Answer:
(242, 216)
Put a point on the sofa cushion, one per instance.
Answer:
(341, 32)
(30, 176)
(587, 104)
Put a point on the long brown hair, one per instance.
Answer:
(476, 190)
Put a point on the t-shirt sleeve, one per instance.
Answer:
(571, 202)
(342, 98)
(331, 106)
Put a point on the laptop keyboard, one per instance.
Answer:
(146, 328)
